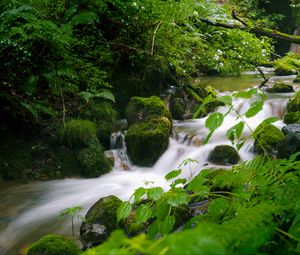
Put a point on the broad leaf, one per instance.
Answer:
(255, 108)
(214, 121)
(235, 131)
(245, 94)
(270, 120)
(138, 194)
(143, 213)
(155, 193)
(123, 210)
(227, 100)
(176, 199)
(86, 96)
(167, 225)
(173, 174)
(206, 100)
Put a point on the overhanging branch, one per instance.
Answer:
(256, 30)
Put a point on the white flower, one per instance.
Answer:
(219, 52)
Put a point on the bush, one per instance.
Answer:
(267, 138)
(148, 140)
(54, 245)
(143, 108)
(77, 133)
(224, 155)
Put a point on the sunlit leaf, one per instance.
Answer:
(143, 213)
(123, 210)
(173, 174)
(155, 193)
(235, 131)
(245, 94)
(227, 100)
(254, 108)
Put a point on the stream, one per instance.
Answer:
(31, 210)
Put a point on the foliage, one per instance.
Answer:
(54, 245)
(252, 208)
(290, 64)
(72, 212)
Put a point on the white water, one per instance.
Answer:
(39, 203)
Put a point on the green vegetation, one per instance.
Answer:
(290, 64)
(54, 245)
(251, 208)
(147, 141)
(177, 108)
(292, 114)
(281, 88)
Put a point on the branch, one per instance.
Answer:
(153, 37)
(256, 30)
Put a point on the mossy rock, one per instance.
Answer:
(77, 133)
(92, 160)
(287, 65)
(267, 138)
(224, 155)
(281, 88)
(177, 108)
(147, 141)
(144, 108)
(289, 145)
(14, 160)
(294, 104)
(291, 117)
(297, 80)
(54, 245)
(103, 212)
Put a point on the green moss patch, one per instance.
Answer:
(224, 155)
(54, 245)
(281, 88)
(290, 64)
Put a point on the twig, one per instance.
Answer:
(233, 15)
(153, 37)
(264, 77)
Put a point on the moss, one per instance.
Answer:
(224, 155)
(291, 117)
(144, 108)
(103, 212)
(14, 160)
(290, 64)
(281, 88)
(78, 132)
(294, 104)
(54, 245)
(148, 140)
(267, 138)
(92, 160)
(177, 108)
(297, 80)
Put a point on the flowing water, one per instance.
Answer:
(30, 210)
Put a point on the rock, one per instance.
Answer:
(110, 157)
(287, 65)
(281, 88)
(177, 108)
(292, 128)
(291, 117)
(54, 245)
(196, 141)
(147, 141)
(124, 166)
(94, 233)
(104, 213)
(224, 155)
(290, 145)
(292, 114)
(142, 109)
(267, 138)
(297, 80)
(92, 160)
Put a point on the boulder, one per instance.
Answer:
(54, 245)
(292, 128)
(287, 65)
(110, 157)
(292, 114)
(224, 155)
(142, 109)
(147, 141)
(177, 108)
(291, 117)
(104, 214)
(281, 88)
(267, 138)
(290, 145)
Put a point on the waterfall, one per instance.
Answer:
(41, 202)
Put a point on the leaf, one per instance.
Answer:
(227, 100)
(205, 101)
(270, 120)
(178, 181)
(143, 213)
(86, 95)
(162, 211)
(173, 174)
(245, 94)
(254, 108)
(106, 95)
(196, 184)
(240, 144)
(235, 131)
(176, 199)
(155, 193)
(139, 193)
(214, 121)
(167, 225)
(123, 210)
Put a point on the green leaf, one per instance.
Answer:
(245, 94)
(155, 193)
(123, 210)
(143, 213)
(178, 181)
(214, 121)
(139, 193)
(255, 108)
(240, 144)
(196, 184)
(161, 211)
(173, 174)
(167, 225)
(205, 101)
(235, 131)
(106, 95)
(176, 199)
(270, 120)
(86, 95)
(227, 100)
